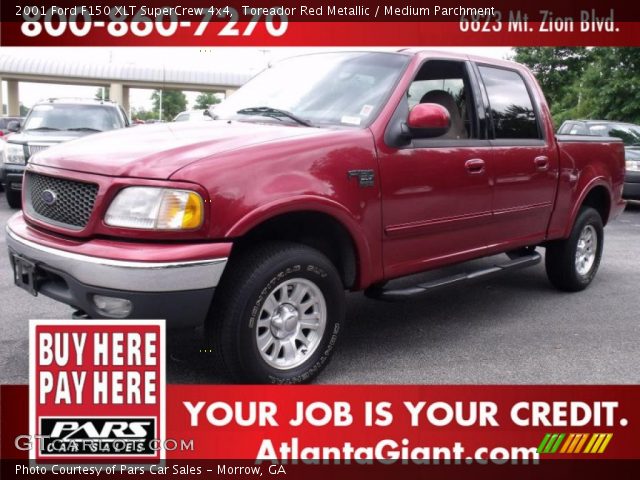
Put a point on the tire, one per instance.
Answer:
(14, 198)
(267, 297)
(564, 270)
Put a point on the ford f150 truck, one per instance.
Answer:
(325, 173)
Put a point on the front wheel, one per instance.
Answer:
(572, 263)
(277, 314)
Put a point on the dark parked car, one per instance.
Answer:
(4, 132)
(630, 135)
(48, 123)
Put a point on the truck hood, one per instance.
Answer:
(156, 151)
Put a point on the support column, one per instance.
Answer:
(125, 100)
(13, 98)
(228, 92)
(116, 93)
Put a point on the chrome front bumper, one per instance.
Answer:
(122, 275)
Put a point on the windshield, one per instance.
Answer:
(630, 134)
(347, 88)
(73, 117)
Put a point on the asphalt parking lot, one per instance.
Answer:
(512, 329)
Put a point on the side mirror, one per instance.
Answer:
(427, 120)
(207, 113)
(13, 126)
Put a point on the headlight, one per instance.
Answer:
(633, 165)
(14, 153)
(155, 208)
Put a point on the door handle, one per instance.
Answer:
(541, 163)
(474, 166)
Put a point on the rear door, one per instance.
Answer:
(524, 162)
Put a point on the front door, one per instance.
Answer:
(436, 193)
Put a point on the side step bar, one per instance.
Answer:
(393, 295)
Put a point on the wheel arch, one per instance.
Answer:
(595, 194)
(328, 228)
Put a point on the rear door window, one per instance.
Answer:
(510, 106)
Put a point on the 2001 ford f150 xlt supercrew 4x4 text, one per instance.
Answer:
(325, 173)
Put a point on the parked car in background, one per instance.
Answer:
(630, 135)
(49, 123)
(4, 133)
(192, 116)
(4, 124)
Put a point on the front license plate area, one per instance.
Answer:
(24, 273)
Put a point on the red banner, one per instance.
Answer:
(383, 425)
(316, 23)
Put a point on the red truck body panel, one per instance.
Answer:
(287, 176)
(584, 166)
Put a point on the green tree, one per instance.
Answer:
(611, 85)
(559, 71)
(591, 83)
(142, 114)
(205, 100)
(173, 102)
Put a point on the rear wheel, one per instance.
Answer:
(13, 197)
(572, 263)
(277, 315)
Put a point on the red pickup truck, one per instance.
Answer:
(325, 173)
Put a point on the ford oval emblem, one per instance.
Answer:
(48, 197)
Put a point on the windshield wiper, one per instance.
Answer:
(83, 129)
(273, 112)
(43, 129)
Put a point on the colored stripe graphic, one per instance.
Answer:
(543, 443)
(573, 443)
(550, 443)
(555, 447)
(570, 440)
(578, 439)
(581, 443)
(592, 440)
(605, 443)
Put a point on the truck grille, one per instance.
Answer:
(58, 201)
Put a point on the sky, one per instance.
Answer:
(246, 60)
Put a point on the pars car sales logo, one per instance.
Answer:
(97, 389)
